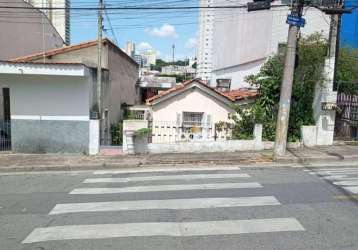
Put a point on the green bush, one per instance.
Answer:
(142, 132)
(311, 55)
(117, 133)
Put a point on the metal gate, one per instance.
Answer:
(5, 135)
(346, 127)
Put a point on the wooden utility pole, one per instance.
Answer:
(287, 82)
(99, 62)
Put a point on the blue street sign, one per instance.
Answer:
(296, 21)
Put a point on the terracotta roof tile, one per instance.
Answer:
(240, 94)
(54, 52)
(65, 49)
(41, 63)
(183, 85)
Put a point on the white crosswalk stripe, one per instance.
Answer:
(165, 204)
(167, 170)
(166, 229)
(165, 178)
(346, 183)
(352, 189)
(347, 178)
(337, 169)
(176, 229)
(161, 188)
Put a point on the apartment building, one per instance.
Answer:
(205, 47)
(60, 18)
(234, 43)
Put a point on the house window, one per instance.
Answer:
(191, 119)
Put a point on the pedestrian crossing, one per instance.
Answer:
(346, 178)
(150, 182)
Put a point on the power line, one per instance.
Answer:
(111, 27)
(133, 8)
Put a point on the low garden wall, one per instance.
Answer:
(133, 144)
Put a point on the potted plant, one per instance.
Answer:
(141, 141)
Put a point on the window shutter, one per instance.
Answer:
(208, 127)
(179, 119)
(209, 120)
(178, 126)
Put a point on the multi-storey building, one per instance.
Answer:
(26, 31)
(205, 48)
(234, 43)
(130, 48)
(151, 56)
(60, 18)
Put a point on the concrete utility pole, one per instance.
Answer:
(173, 47)
(333, 36)
(99, 62)
(287, 82)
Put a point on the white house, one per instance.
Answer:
(49, 107)
(189, 112)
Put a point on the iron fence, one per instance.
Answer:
(5, 135)
(346, 127)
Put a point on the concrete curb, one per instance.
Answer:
(84, 167)
(142, 162)
(310, 160)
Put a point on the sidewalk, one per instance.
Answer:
(329, 154)
(46, 162)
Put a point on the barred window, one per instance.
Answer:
(191, 119)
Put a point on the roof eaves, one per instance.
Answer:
(182, 86)
(55, 51)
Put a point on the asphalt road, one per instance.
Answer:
(247, 208)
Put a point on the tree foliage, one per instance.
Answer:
(309, 71)
(161, 63)
(347, 71)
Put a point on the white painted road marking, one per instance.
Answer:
(156, 170)
(353, 190)
(165, 204)
(165, 177)
(346, 183)
(337, 169)
(159, 188)
(174, 229)
(342, 172)
(334, 177)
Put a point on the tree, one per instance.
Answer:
(311, 55)
(347, 71)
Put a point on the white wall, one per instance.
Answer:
(193, 100)
(93, 137)
(238, 73)
(325, 119)
(47, 95)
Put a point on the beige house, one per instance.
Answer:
(188, 112)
